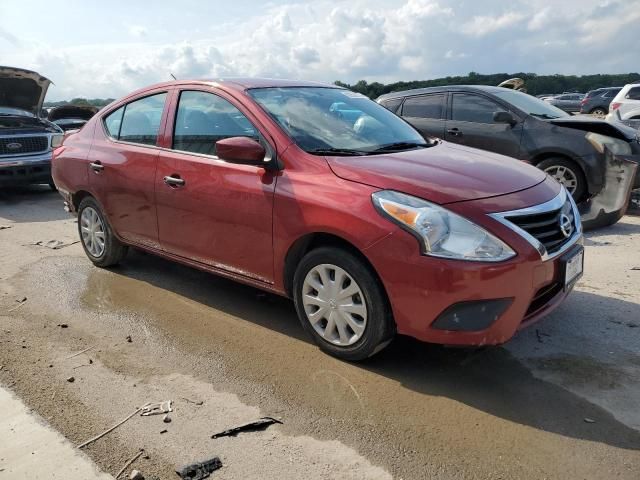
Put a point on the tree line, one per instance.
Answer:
(95, 102)
(535, 84)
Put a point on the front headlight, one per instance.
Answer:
(56, 139)
(441, 233)
(617, 146)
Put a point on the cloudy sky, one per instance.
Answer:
(105, 49)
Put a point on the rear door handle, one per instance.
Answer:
(454, 132)
(174, 181)
(96, 166)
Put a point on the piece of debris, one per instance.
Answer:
(71, 379)
(4, 227)
(97, 437)
(129, 340)
(54, 244)
(258, 425)
(21, 302)
(195, 402)
(81, 351)
(163, 431)
(136, 475)
(166, 419)
(128, 464)
(1, 367)
(199, 470)
(589, 420)
(158, 408)
(63, 325)
(635, 268)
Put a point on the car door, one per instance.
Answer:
(631, 100)
(426, 113)
(471, 123)
(123, 161)
(212, 211)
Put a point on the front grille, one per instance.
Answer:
(546, 226)
(23, 145)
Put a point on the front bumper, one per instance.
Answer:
(25, 170)
(425, 290)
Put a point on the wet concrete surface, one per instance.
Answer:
(414, 411)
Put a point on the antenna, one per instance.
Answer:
(173, 76)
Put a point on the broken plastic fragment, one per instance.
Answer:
(199, 470)
(258, 425)
(158, 408)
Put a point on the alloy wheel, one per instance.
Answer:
(93, 232)
(564, 176)
(334, 305)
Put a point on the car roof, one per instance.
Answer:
(444, 88)
(235, 83)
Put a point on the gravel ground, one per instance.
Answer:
(559, 401)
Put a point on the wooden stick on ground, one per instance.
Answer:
(80, 353)
(97, 437)
(129, 462)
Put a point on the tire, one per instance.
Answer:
(91, 217)
(367, 306)
(600, 111)
(52, 185)
(559, 168)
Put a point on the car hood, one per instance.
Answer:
(22, 89)
(24, 125)
(444, 173)
(603, 127)
(84, 112)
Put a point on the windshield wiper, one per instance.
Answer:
(336, 151)
(546, 116)
(400, 146)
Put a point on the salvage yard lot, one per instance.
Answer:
(562, 400)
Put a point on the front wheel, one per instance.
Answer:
(341, 304)
(567, 173)
(96, 236)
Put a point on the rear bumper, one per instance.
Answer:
(25, 170)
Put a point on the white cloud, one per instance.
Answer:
(485, 24)
(376, 40)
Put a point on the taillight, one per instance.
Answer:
(583, 101)
(615, 105)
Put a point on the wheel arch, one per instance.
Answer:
(311, 241)
(78, 196)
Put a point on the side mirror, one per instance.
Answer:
(240, 150)
(504, 117)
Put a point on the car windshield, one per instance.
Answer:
(15, 111)
(333, 121)
(531, 105)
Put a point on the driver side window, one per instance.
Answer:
(473, 108)
(203, 118)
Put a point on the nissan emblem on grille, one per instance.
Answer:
(566, 227)
(14, 146)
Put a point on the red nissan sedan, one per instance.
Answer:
(317, 193)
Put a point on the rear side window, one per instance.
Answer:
(611, 93)
(473, 108)
(204, 118)
(392, 104)
(634, 94)
(424, 106)
(113, 121)
(141, 120)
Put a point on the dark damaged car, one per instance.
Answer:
(71, 117)
(26, 139)
(571, 149)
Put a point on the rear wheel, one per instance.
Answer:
(599, 111)
(96, 236)
(342, 305)
(567, 173)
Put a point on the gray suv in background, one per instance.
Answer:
(25, 137)
(570, 149)
(596, 102)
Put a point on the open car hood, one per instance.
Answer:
(79, 112)
(444, 173)
(603, 127)
(22, 89)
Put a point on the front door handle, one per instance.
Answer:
(96, 166)
(454, 132)
(174, 181)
